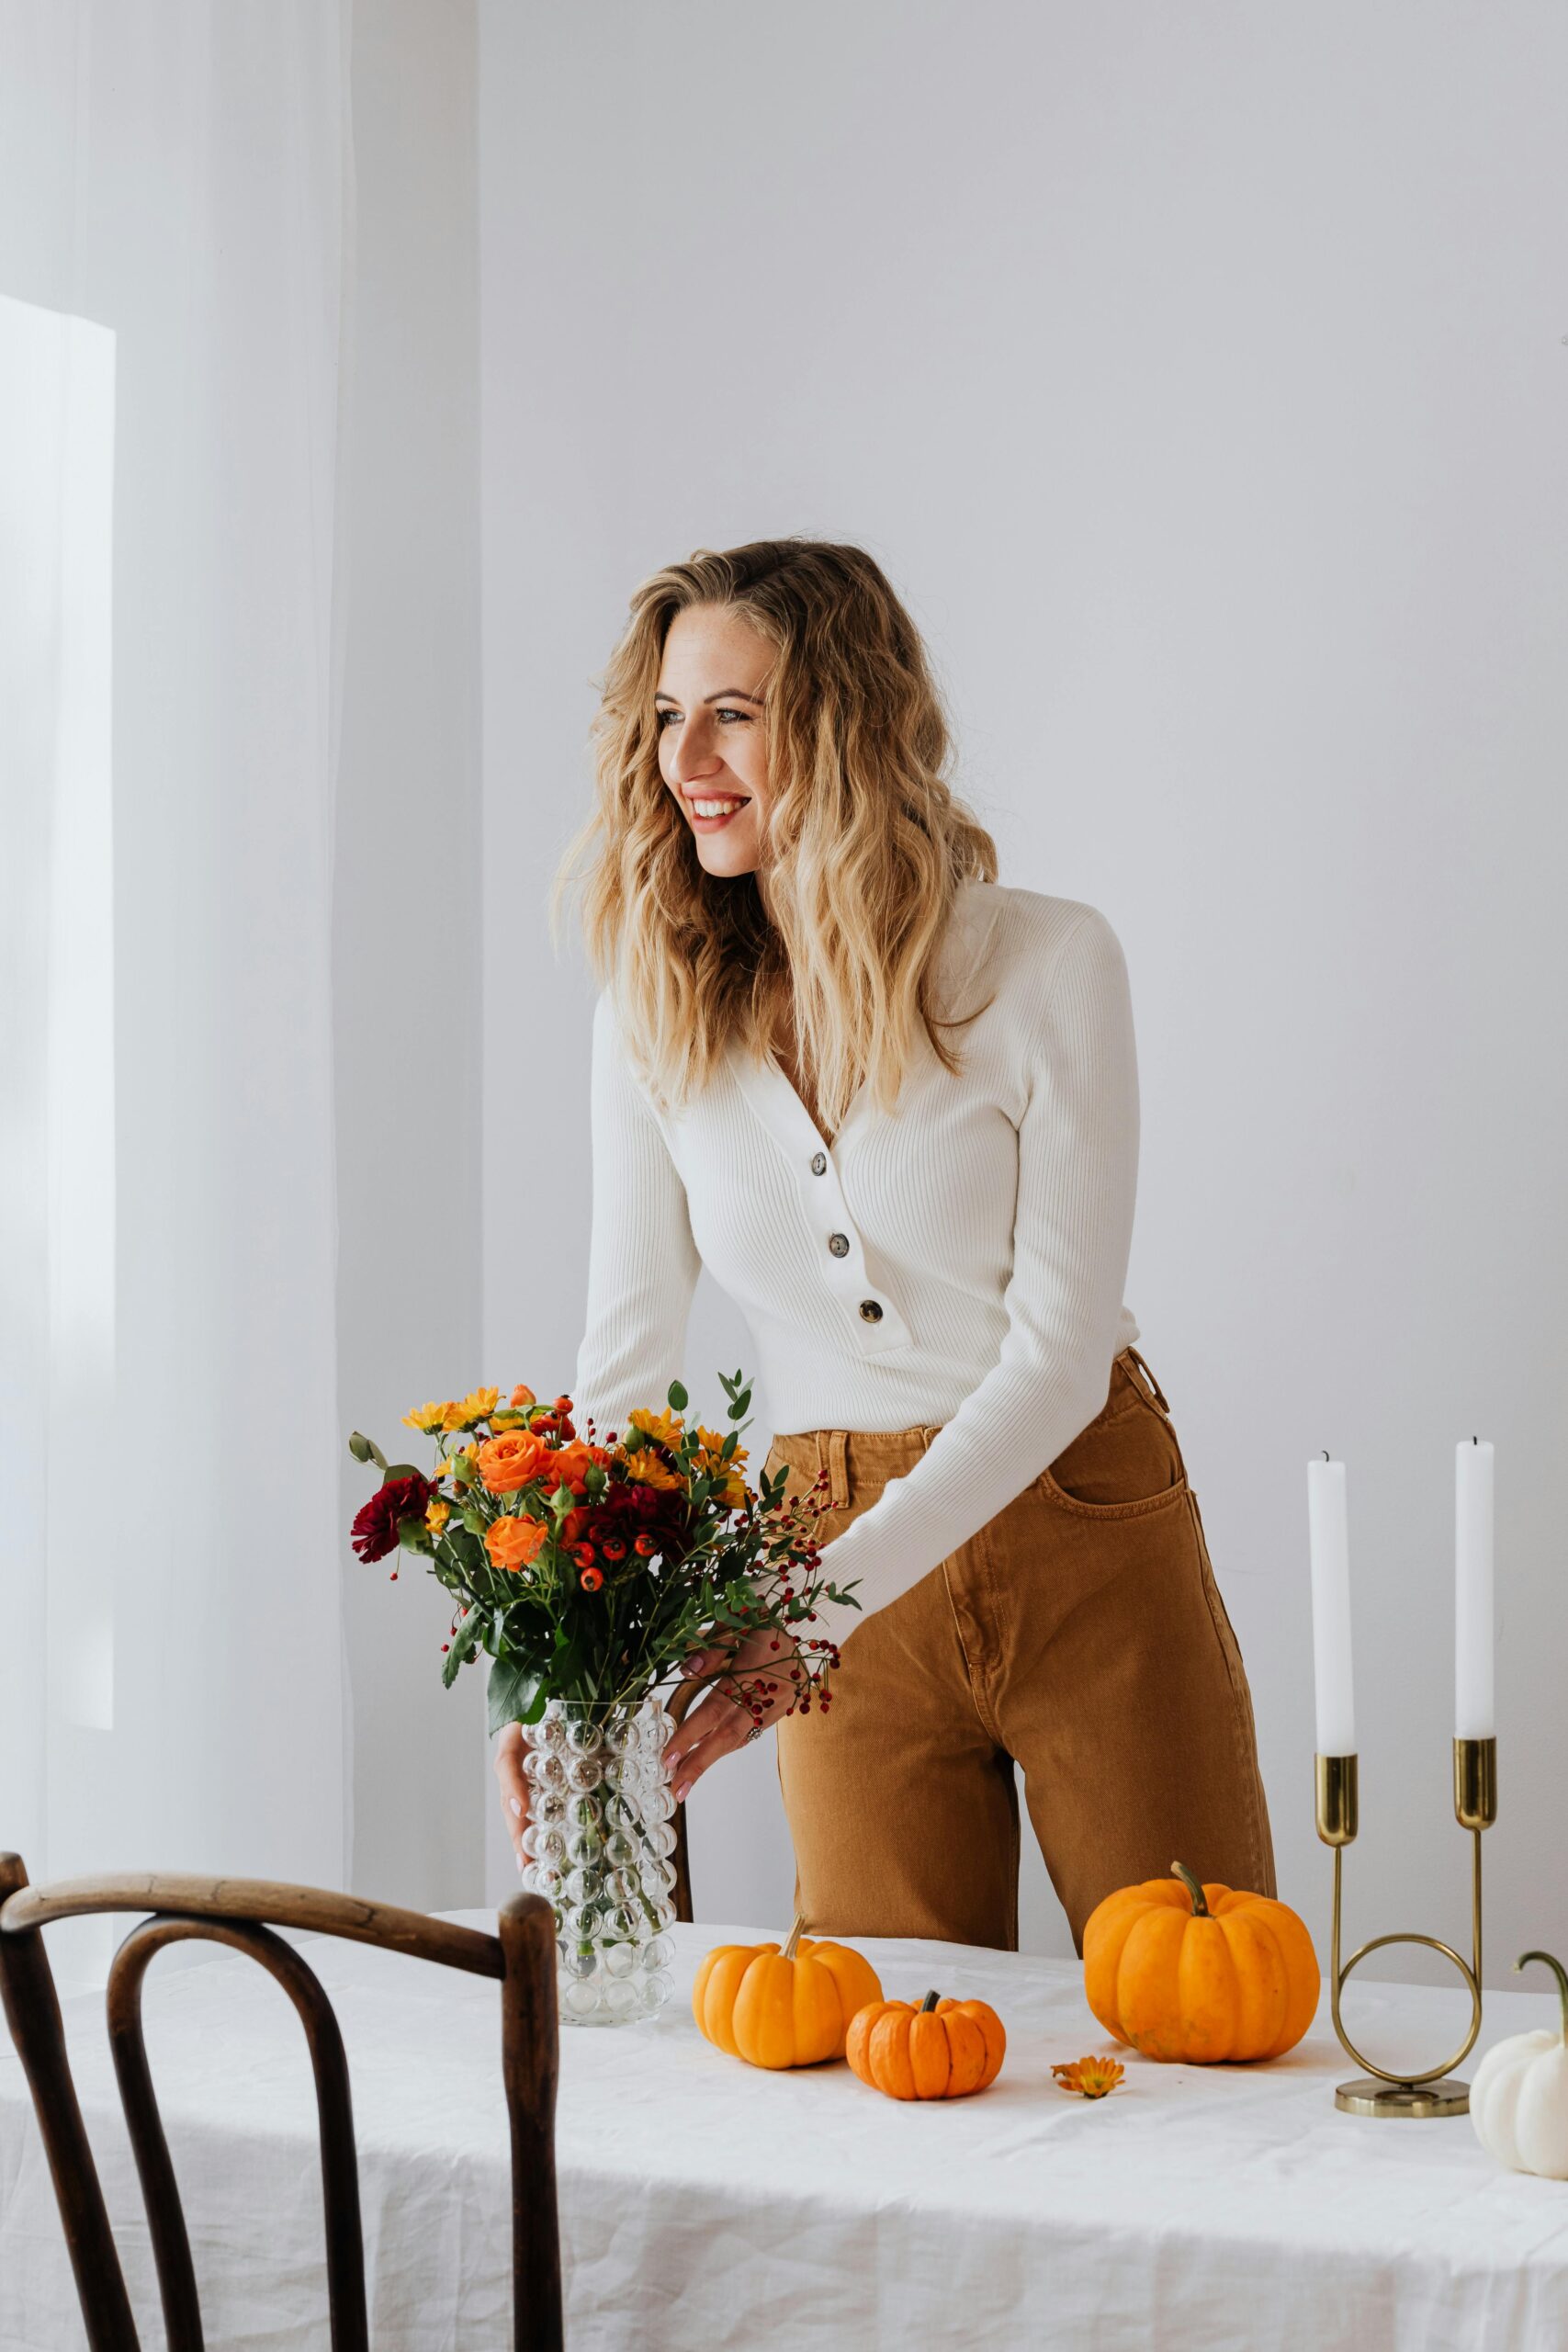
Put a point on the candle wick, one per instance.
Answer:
(1475, 1441)
(1326, 1455)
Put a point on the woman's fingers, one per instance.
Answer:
(716, 1728)
(513, 1786)
(705, 1662)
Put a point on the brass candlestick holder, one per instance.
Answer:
(1435, 2092)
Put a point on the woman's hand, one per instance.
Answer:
(721, 1723)
(513, 1786)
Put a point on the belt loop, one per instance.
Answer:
(1159, 1396)
(831, 1444)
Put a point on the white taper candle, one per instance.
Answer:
(1475, 1703)
(1327, 1529)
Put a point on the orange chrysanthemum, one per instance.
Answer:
(1093, 2076)
(710, 1459)
(436, 1514)
(513, 1460)
(513, 1543)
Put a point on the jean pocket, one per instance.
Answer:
(1120, 1467)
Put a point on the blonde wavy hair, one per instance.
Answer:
(864, 846)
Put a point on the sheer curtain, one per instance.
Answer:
(176, 230)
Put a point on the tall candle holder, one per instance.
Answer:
(1436, 2091)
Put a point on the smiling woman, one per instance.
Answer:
(795, 922)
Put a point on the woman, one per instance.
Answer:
(892, 1104)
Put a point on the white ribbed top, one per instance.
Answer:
(990, 1217)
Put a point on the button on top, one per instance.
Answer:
(839, 1243)
(871, 1310)
(818, 1163)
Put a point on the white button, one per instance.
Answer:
(839, 1243)
(818, 1163)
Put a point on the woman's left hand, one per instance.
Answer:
(720, 1724)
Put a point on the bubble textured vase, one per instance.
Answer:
(599, 1847)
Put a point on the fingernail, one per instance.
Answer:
(516, 1804)
(691, 1665)
(519, 1865)
(682, 1791)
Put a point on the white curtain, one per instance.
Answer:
(176, 234)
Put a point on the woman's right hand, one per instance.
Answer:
(513, 1786)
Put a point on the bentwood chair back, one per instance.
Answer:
(244, 1914)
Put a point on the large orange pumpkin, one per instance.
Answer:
(942, 2049)
(781, 2009)
(1199, 1974)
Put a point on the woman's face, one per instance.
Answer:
(711, 752)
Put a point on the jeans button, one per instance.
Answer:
(818, 1163)
(839, 1243)
(871, 1310)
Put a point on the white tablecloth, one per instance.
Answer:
(705, 2203)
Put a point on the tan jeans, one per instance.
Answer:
(1078, 1635)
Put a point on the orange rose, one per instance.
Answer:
(510, 1461)
(513, 1543)
(523, 1397)
(572, 1462)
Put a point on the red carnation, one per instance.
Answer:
(375, 1531)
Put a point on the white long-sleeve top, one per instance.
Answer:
(959, 1261)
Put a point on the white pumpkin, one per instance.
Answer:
(1518, 2100)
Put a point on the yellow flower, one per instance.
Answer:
(647, 1469)
(667, 1427)
(436, 1514)
(1093, 2076)
(428, 1418)
(504, 1419)
(478, 1404)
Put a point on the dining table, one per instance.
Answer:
(705, 2202)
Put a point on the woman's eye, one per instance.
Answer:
(723, 713)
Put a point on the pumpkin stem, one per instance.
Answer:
(1200, 1907)
(788, 1953)
(1559, 1971)
(929, 2004)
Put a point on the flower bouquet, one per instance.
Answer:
(589, 1573)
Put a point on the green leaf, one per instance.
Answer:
(678, 1398)
(460, 1652)
(415, 1537)
(516, 1693)
(400, 1470)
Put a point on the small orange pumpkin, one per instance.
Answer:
(942, 2049)
(1200, 1975)
(781, 2009)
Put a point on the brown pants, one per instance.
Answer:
(1080, 1636)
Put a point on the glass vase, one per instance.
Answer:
(599, 1845)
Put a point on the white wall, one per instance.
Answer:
(407, 968)
(1197, 375)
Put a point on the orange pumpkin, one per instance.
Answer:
(942, 2049)
(1199, 1974)
(781, 2009)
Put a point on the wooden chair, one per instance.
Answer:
(243, 1913)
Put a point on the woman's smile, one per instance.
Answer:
(708, 815)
